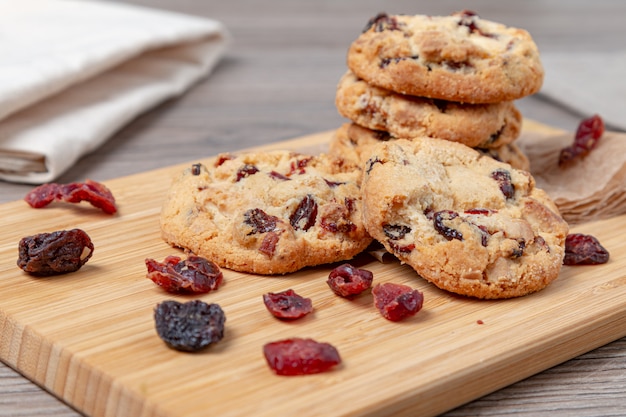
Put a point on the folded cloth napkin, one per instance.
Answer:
(588, 83)
(72, 72)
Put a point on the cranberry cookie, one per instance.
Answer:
(475, 125)
(459, 58)
(267, 212)
(356, 144)
(465, 222)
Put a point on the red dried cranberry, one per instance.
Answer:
(439, 220)
(193, 275)
(298, 356)
(245, 171)
(348, 281)
(268, 245)
(303, 217)
(190, 326)
(260, 221)
(396, 301)
(587, 136)
(287, 304)
(581, 249)
(223, 158)
(298, 166)
(503, 177)
(54, 253)
(97, 194)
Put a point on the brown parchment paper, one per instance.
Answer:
(588, 189)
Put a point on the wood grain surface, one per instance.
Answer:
(276, 82)
(89, 337)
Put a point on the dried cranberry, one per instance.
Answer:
(439, 220)
(468, 18)
(97, 194)
(587, 136)
(503, 178)
(401, 248)
(245, 171)
(369, 165)
(395, 231)
(287, 304)
(54, 253)
(298, 166)
(196, 169)
(381, 22)
(190, 326)
(347, 280)
(268, 245)
(260, 221)
(303, 217)
(278, 176)
(396, 301)
(193, 275)
(223, 158)
(298, 356)
(581, 249)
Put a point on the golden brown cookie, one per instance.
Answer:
(267, 212)
(476, 125)
(356, 143)
(465, 222)
(459, 58)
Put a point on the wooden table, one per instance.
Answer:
(277, 82)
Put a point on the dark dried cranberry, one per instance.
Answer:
(369, 165)
(469, 18)
(395, 231)
(333, 184)
(193, 275)
(278, 176)
(384, 62)
(382, 22)
(503, 177)
(54, 253)
(260, 221)
(587, 136)
(298, 356)
(439, 220)
(581, 249)
(396, 301)
(519, 251)
(97, 194)
(245, 171)
(303, 217)
(196, 169)
(190, 326)
(348, 281)
(287, 304)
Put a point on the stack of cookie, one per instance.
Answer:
(450, 77)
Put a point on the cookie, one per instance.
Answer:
(267, 212)
(459, 58)
(475, 125)
(465, 222)
(356, 144)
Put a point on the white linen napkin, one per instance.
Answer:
(72, 72)
(588, 83)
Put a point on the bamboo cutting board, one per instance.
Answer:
(89, 337)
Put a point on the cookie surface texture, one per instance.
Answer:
(356, 144)
(268, 212)
(475, 125)
(460, 57)
(465, 222)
